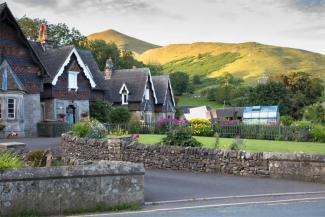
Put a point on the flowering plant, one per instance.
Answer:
(164, 124)
(201, 127)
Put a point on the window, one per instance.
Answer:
(124, 98)
(11, 108)
(0, 110)
(146, 94)
(73, 78)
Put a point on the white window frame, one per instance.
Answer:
(125, 99)
(73, 80)
(124, 94)
(14, 113)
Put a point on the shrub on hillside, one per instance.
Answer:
(181, 136)
(201, 127)
(9, 160)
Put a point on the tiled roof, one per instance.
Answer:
(52, 58)
(161, 86)
(229, 112)
(88, 58)
(135, 81)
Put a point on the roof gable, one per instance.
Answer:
(8, 78)
(162, 86)
(82, 65)
(136, 81)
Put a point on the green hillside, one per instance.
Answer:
(249, 61)
(123, 41)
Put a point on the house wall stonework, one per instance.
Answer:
(274, 165)
(32, 113)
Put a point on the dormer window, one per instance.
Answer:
(72, 80)
(124, 94)
(147, 94)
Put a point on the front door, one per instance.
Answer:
(71, 114)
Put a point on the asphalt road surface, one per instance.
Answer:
(178, 194)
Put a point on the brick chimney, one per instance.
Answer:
(108, 70)
(42, 35)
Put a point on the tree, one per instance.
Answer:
(196, 79)
(119, 115)
(271, 93)
(315, 113)
(304, 90)
(180, 81)
(155, 69)
(100, 111)
(58, 34)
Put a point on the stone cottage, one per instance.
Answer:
(132, 88)
(21, 79)
(67, 90)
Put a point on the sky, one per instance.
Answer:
(290, 23)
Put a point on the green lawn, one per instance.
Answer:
(191, 101)
(253, 145)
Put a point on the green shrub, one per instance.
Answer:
(201, 127)
(81, 129)
(97, 130)
(180, 136)
(237, 144)
(286, 120)
(9, 160)
(315, 113)
(37, 158)
(318, 133)
(90, 129)
(119, 115)
(100, 111)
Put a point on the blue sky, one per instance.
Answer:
(290, 23)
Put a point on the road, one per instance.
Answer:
(178, 194)
(36, 143)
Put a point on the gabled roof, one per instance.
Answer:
(229, 112)
(8, 78)
(91, 63)
(5, 9)
(162, 85)
(134, 79)
(55, 60)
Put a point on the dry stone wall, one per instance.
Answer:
(275, 165)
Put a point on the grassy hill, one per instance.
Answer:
(249, 61)
(123, 41)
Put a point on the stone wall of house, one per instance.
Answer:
(32, 113)
(56, 190)
(275, 165)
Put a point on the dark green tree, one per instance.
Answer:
(197, 79)
(180, 82)
(119, 115)
(100, 111)
(58, 34)
(271, 93)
